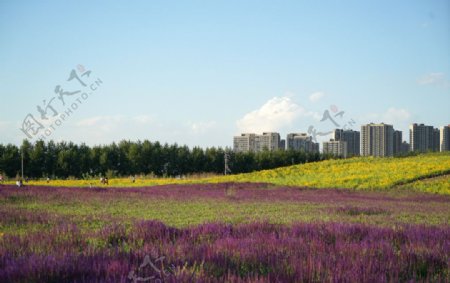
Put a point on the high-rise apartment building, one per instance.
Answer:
(377, 140)
(351, 137)
(398, 140)
(436, 140)
(301, 141)
(338, 148)
(267, 141)
(444, 141)
(405, 147)
(282, 145)
(244, 142)
(423, 138)
(253, 142)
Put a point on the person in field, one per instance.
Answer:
(104, 181)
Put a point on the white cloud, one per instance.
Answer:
(97, 127)
(4, 125)
(144, 119)
(425, 25)
(10, 132)
(202, 127)
(113, 128)
(105, 123)
(437, 79)
(275, 114)
(316, 96)
(289, 94)
(114, 120)
(105, 129)
(391, 116)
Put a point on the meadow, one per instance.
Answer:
(363, 173)
(359, 173)
(387, 222)
(234, 232)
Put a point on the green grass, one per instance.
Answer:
(96, 210)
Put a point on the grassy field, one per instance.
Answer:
(379, 220)
(365, 173)
(233, 203)
(229, 232)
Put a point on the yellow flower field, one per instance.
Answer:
(355, 173)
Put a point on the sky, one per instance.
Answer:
(200, 72)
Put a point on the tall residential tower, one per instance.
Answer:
(352, 139)
(252, 142)
(338, 148)
(301, 141)
(398, 142)
(423, 138)
(445, 138)
(377, 140)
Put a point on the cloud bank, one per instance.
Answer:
(276, 114)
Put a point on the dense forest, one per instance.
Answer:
(66, 159)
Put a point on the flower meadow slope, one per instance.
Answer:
(355, 173)
(225, 232)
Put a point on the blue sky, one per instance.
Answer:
(199, 72)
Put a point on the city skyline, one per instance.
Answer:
(374, 139)
(198, 73)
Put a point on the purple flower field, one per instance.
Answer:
(51, 234)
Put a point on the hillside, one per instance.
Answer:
(357, 173)
(354, 173)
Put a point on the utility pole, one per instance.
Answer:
(226, 169)
(22, 162)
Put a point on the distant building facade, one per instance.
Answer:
(282, 144)
(267, 141)
(252, 142)
(244, 142)
(444, 140)
(398, 141)
(352, 138)
(377, 140)
(338, 148)
(423, 138)
(301, 141)
(405, 147)
(373, 140)
(436, 140)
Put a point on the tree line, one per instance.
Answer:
(67, 159)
